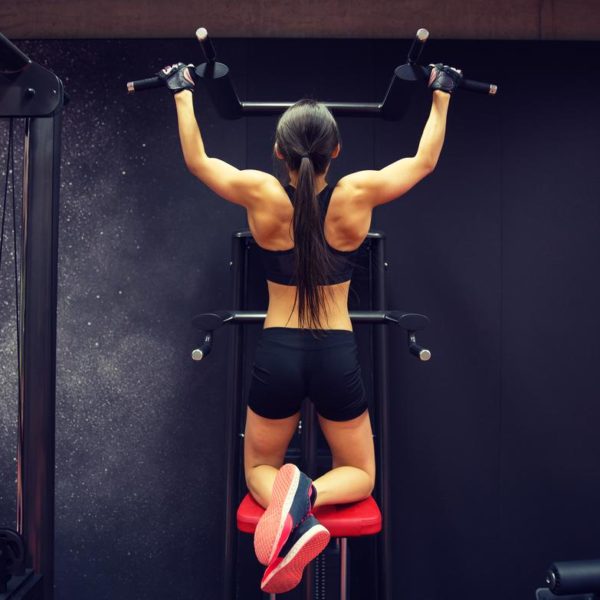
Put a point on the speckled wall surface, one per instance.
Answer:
(493, 440)
(139, 476)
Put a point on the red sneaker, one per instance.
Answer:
(289, 506)
(305, 543)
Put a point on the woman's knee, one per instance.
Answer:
(351, 444)
(259, 481)
(251, 477)
(371, 485)
(369, 480)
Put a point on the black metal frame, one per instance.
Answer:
(392, 107)
(547, 594)
(572, 580)
(225, 98)
(209, 322)
(27, 90)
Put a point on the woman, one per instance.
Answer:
(307, 232)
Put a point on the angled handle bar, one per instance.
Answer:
(207, 323)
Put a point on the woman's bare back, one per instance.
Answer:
(346, 225)
(346, 222)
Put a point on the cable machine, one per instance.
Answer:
(31, 92)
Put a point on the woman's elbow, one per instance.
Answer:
(195, 167)
(426, 163)
(428, 166)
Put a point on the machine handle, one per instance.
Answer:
(470, 85)
(421, 353)
(208, 323)
(479, 86)
(210, 54)
(574, 577)
(417, 46)
(204, 349)
(139, 85)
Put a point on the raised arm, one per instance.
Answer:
(372, 188)
(245, 187)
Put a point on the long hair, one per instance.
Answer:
(306, 136)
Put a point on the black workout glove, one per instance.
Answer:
(444, 78)
(178, 77)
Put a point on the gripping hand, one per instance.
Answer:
(178, 77)
(444, 78)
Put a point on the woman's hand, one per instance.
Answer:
(444, 78)
(178, 77)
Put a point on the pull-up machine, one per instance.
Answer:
(217, 80)
(380, 318)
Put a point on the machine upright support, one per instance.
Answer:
(381, 400)
(36, 447)
(309, 465)
(233, 423)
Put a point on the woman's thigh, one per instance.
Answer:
(351, 442)
(266, 440)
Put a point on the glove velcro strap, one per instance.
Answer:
(444, 78)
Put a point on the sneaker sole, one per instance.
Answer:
(274, 527)
(285, 574)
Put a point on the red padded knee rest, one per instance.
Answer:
(342, 520)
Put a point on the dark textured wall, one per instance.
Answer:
(495, 454)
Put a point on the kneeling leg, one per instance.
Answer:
(352, 477)
(265, 445)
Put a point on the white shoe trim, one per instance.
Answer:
(305, 539)
(286, 508)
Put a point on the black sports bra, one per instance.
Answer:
(279, 265)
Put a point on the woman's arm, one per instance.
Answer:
(245, 187)
(372, 188)
(434, 132)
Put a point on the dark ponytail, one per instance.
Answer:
(306, 136)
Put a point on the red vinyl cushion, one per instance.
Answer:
(342, 520)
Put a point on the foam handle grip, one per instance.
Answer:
(144, 84)
(478, 86)
(210, 54)
(574, 577)
(417, 46)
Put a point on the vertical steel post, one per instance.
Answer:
(381, 397)
(233, 421)
(36, 443)
(309, 465)
(309, 439)
(344, 569)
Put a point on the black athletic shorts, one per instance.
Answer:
(291, 364)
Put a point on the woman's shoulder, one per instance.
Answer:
(348, 216)
(348, 193)
(351, 186)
